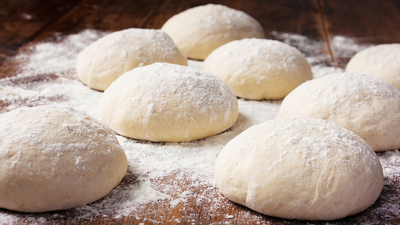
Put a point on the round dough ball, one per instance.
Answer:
(54, 158)
(102, 62)
(259, 68)
(382, 61)
(168, 103)
(299, 168)
(200, 30)
(363, 104)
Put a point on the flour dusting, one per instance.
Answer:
(56, 57)
(166, 175)
(176, 100)
(297, 153)
(344, 47)
(272, 67)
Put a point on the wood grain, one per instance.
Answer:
(369, 22)
(21, 22)
(105, 15)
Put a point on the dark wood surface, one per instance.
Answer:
(24, 23)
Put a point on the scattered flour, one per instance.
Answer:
(167, 174)
(344, 47)
(57, 57)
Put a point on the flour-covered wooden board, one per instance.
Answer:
(172, 183)
(166, 182)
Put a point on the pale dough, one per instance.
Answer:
(299, 168)
(102, 62)
(259, 68)
(168, 103)
(54, 158)
(381, 61)
(363, 104)
(200, 30)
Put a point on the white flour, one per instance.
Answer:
(158, 170)
(100, 63)
(167, 92)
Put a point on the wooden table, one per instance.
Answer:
(25, 23)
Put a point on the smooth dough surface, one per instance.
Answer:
(200, 30)
(54, 158)
(168, 103)
(259, 68)
(298, 168)
(381, 61)
(363, 104)
(102, 62)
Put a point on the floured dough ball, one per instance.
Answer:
(168, 103)
(382, 61)
(363, 104)
(259, 68)
(299, 168)
(54, 158)
(102, 62)
(200, 30)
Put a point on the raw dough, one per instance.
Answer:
(102, 62)
(259, 68)
(382, 61)
(200, 30)
(300, 168)
(54, 158)
(168, 103)
(363, 104)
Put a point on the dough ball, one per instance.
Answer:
(200, 30)
(102, 62)
(259, 68)
(168, 103)
(54, 158)
(297, 168)
(382, 61)
(363, 104)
